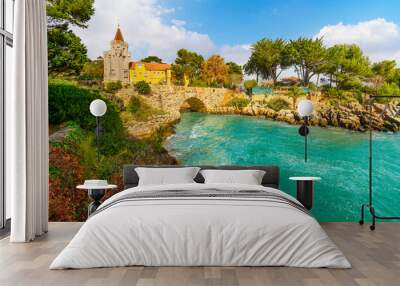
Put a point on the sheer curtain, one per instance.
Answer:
(27, 124)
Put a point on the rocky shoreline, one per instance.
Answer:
(146, 129)
(352, 116)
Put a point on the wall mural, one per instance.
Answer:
(202, 106)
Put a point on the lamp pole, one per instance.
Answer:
(305, 108)
(305, 138)
(370, 206)
(98, 108)
(98, 137)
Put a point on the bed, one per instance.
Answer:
(198, 224)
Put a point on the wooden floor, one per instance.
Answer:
(375, 257)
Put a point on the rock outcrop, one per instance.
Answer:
(352, 116)
(145, 129)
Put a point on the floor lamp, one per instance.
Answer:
(370, 201)
(305, 108)
(98, 108)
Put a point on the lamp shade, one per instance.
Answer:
(98, 107)
(305, 108)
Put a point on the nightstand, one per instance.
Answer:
(96, 193)
(305, 190)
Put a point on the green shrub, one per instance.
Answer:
(249, 84)
(157, 139)
(238, 102)
(142, 87)
(75, 134)
(134, 104)
(92, 70)
(388, 89)
(69, 102)
(278, 104)
(140, 109)
(216, 84)
(113, 86)
(333, 92)
(337, 97)
(351, 84)
(312, 86)
(199, 83)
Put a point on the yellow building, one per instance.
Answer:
(153, 73)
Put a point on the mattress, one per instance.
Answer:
(201, 225)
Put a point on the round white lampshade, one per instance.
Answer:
(305, 108)
(98, 107)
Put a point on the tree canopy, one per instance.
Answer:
(152, 59)
(234, 68)
(93, 70)
(307, 56)
(214, 70)
(249, 84)
(187, 65)
(66, 52)
(268, 59)
(346, 65)
(386, 69)
(65, 12)
(295, 92)
(235, 72)
(252, 67)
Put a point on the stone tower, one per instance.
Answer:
(117, 59)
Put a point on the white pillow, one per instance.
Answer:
(248, 177)
(166, 176)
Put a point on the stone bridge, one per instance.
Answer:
(172, 98)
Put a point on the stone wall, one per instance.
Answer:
(116, 62)
(171, 98)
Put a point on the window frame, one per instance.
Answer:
(6, 40)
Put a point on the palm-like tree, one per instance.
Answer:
(295, 92)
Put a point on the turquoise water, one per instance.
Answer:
(339, 157)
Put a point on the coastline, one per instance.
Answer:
(160, 125)
(353, 117)
(347, 119)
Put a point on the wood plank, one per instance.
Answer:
(375, 257)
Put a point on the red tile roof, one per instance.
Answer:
(152, 66)
(118, 35)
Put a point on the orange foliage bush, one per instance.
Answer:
(65, 202)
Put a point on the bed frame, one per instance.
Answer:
(270, 179)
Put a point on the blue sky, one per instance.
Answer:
(235, 22)
(228, 28)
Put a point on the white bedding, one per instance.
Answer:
(200, 231)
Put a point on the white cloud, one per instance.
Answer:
(378, 38)
(144, 27)
(178, 23)
(150, 29)
(237, 53)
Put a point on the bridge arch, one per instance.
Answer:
(193, 104)
(172, 99)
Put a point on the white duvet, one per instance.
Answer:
(202, 232)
